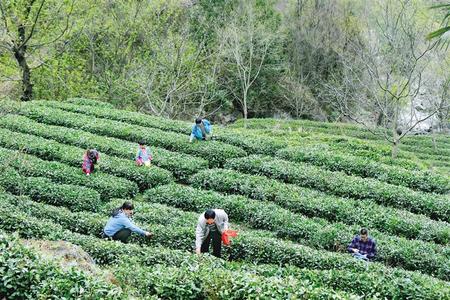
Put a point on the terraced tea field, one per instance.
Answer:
(297, 192)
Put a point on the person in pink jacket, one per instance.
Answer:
(90, 158)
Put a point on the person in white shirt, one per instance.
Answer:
(211, 224)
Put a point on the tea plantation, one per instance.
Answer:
(297, 192)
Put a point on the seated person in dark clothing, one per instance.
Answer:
(362, 246)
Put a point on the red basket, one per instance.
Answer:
(226, 236)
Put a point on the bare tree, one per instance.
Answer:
(245, 44)
(29, 26)
(165, 85)
(388, 75)
(298, 99)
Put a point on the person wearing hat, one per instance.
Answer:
(200, 130)
(90, 158)
(211, 224)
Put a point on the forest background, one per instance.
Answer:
(368, 62)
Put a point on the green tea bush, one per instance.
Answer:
(216, 153)
(44, 190)
(109, 252)
(205, 281)
(253, 144)
(89, 102)
(51, 150)
(351, 165)
(427, 140)
(24, 275)
(316, 204)
(316, 233)
(107, 185)
(433, 205)
(444, 152)
(181, 165)
(131, 117)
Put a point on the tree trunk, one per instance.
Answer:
(245, 114)
(380, 119)
(395, 149)
(395, 136)
(244, 107)
(19, 54)
(433, 139)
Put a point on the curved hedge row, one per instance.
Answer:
(131, 117)
(425, 181)
(337, 129)
(316, 204)
(380, 150)
(268, 123)
(89, 102)
(51, 150)
(347, 273)
(108, 252)
(251, 144)
(26, 276)
(307, 126)
(373, 282)
(44, 190)
(433, 205)
(215, 152)
(427, 140)
(425, 157)
(445, 152)
(345, 146)
(107, 185)
(181, 165)
(406, 158)
(316, 233)
(177, 236)
(209, 282)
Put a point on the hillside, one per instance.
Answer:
(297, 192)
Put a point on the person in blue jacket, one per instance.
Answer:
(120, 226)
(200, 130)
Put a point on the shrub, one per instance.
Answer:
(44, 190)
(251, 143)
(181, 165)
(26, 276)
(107, 185)
(51, 150)
(90, 102)
(444, 152)
(108, 252)
(351, 165)
(315, 233)
(123, 116)
(432, 205)
(216, 153)
(205, 281)
(316, 204)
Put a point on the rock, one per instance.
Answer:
(67, 256)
